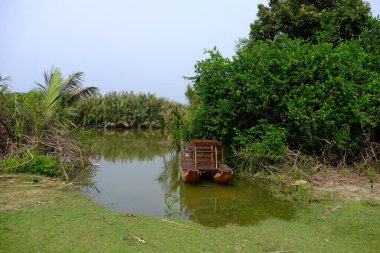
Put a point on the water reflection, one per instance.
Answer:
(239, 202)
(139, 172)
(169, 179)
(129, 145)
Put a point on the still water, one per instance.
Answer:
(139, 173)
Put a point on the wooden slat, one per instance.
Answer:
(216, 157)
(203, 155)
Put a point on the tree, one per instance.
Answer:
(312, 97)
(331, 21)
(70, 89)
(307, 78)
(52, 107)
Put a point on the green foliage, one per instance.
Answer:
(30, 111)
(316, 98)
(307, 78)
(31, 162)
(68, 90)
(127, 110)
(10, 164)
(317, 21)
(5, 129)
(39, 120)
(260, 145)
(372, 176)
(175, 132)
(43, 164)
(288, 190)
(37, 111)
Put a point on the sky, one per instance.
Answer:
(131, 45)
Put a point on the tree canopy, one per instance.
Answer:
(314, 20)
(307, 79)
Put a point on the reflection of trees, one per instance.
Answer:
(211, 204)
(208, 203)
(240, 202)
(128, 145)
(170, 181)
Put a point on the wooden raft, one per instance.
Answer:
(204, 157)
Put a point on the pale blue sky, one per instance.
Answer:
(139, 45)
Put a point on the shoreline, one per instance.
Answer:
(48, 215)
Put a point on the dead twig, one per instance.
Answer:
(179, 224)
(178, 229)
(137, 238)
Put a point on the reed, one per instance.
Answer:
(127, 110)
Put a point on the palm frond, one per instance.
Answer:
(82, 92)
(42, 86)
(47, 79)
(73, 81)
(52, 96)
(3, 80)
(3, 89)
(48, 75)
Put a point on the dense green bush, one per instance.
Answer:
(261, 145)
(315, 21)
(317, 98)
(32, 162)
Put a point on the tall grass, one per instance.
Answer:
(127, 110)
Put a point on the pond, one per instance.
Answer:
(139, 173)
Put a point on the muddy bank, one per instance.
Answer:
(346, 186)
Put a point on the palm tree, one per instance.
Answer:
(71, 89)
(55, 110)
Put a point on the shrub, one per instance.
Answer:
(32, 162)
(261, 145)
(316, 98)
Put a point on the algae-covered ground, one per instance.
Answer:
(44, 215)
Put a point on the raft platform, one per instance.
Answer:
(199, 157)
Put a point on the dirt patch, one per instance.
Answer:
(15, 200)
(20, 190)
(346, 186)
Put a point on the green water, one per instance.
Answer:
(139, 173)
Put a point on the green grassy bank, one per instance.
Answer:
(43, 215)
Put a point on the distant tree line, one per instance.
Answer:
(127, 110)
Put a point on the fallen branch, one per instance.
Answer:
(137, 238)
(182, 230)
(179, 224)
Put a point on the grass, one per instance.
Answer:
(42, 215)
